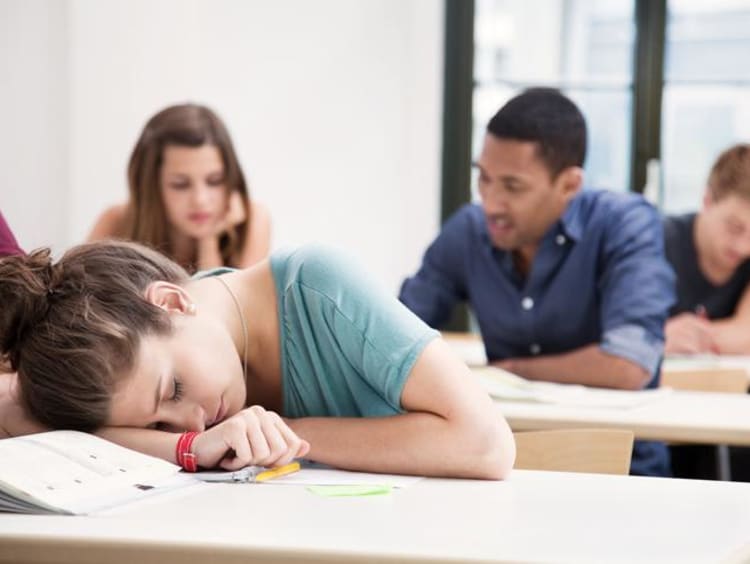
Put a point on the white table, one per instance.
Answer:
(692, 417)
(534, 516)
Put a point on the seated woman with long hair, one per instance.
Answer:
(188, 195)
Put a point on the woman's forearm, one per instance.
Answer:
(414, 443)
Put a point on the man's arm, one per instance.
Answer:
(590, 366)
(451, 428)
(732, 335)
(689, 333)
(438, 285)
(636, 286)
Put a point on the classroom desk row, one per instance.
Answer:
(677, 416)
(531, 517)
(687, 417)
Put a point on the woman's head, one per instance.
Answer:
(181, 175)
(73, 329)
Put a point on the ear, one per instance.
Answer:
(708, 199)
(170, 297)
(569, 182)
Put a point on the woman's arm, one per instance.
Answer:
(109, 224)
(451, 428)
(257, 239)
(252, 436)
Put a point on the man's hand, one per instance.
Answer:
(688, 333)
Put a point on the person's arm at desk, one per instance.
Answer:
(636, 289)
(732, 335)
(451, 428)
(589, 366)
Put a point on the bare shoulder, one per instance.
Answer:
(258, 239)
(110, 223)
(259, 212)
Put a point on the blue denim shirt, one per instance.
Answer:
(599, 276)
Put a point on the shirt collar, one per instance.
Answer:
(571, 222)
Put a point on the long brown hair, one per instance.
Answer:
(187, 125)
(72, 329)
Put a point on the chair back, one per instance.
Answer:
(728, 380)
(598, 451)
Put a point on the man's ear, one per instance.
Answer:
(170, 297)
(570, 181)
(708, 199)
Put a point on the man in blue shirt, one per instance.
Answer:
(567, 285)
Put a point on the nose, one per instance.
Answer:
(183, 417)
(201, 194)
(492, 195)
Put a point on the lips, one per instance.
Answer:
(498, 225)
(199, 217)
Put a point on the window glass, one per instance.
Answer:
(582, 47)
(706, 99)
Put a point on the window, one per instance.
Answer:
(582, 47)
(659, 81)
(706, 100)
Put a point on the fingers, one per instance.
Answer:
(253, 436)
(688, 333)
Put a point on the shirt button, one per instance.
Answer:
(527, 303)
(560, 239)
(535, 349)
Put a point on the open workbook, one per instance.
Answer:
(76, 473)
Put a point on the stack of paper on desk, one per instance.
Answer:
(506, 386)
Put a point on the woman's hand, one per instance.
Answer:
(234, 215)
(252, 436)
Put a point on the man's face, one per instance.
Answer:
(520, 199)
(727, 229)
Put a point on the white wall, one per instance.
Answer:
(34, 164)
(334, 105)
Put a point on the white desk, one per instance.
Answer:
(534, 516)
(693, 417)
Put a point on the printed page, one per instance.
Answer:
(62, 468)
(506, 386)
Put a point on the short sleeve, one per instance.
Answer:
(360, 342)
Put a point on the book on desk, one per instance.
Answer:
(69, 472)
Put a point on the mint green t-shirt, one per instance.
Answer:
(347, 347)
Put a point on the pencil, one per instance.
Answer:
(290, 468)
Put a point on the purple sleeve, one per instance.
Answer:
(8, 244)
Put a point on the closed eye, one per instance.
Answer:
(177, 391)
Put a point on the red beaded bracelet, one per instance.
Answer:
(185, 457)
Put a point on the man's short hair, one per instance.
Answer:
(731, 173)
(546, 117)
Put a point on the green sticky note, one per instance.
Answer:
(349, 491)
